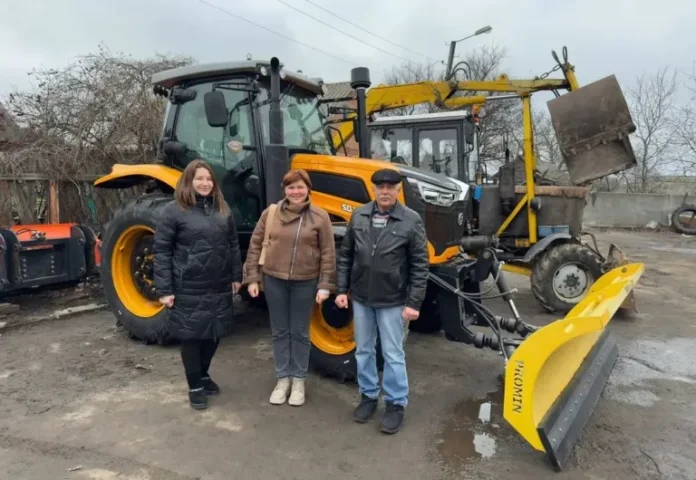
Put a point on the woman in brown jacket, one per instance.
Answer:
(299, 269)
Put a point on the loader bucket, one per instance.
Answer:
(554, 379)
(592, 126)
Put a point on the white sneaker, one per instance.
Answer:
(280, 392)
(297, 396)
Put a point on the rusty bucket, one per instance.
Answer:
(592, 125)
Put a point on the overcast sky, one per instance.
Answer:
(622, 37)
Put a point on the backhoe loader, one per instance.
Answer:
(253, 121)
(539, 228)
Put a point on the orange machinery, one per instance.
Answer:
(33, 256)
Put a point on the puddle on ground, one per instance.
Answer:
(470, 433)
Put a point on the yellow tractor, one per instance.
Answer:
(253, 121)
(537, 227)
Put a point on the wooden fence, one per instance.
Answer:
(32, 199)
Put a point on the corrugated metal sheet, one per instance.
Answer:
(338, 90)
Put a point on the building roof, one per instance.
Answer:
(338, 90)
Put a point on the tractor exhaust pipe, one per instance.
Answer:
(275, 115)
(360, 81)
(277, 159)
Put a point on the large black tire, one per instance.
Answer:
(688, 211)
(556, 271)
(141, 317)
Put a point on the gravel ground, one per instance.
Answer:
(79, 400)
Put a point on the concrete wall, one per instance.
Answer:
(631, 210)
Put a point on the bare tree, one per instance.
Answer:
(685, 125)
(88, 115)
(652, 103)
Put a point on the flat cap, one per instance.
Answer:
(386, 175)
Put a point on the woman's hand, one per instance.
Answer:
(322, 295)
(236, 286)
(253, 289)
(167, 301)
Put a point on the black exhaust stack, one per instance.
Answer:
(360, 82)
(277, 155)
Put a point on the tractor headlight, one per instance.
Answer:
(435, 194)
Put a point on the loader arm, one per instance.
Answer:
(389, 97)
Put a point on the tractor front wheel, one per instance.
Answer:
(127, 269)
(563, 274)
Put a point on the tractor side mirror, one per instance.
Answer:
(469, 132)
(253, 185)
(215, 108)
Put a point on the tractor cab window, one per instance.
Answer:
(391, 144)
(438, 151)
(231, 166)
(303, 121)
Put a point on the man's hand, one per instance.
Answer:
(342, 301)
(253, 289)
(236, 286)
(167, 301)
(321, 296)
(409, 314)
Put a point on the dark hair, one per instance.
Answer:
(296, 175)
(185, 195)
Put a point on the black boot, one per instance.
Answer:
(393, 418)
(198, 399)
(210, 387)
(365, 409)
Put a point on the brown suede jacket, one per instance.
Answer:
(292, 255)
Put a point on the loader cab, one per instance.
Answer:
(442, 143)
(234, 146)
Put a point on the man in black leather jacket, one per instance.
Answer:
(383, 263)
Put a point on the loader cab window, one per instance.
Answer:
(210, 144)
(438, 151)
(391, 144)
(303, 121)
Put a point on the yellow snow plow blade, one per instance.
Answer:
(553, 380)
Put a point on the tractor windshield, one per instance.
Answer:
(302, 120)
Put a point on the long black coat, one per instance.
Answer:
(196, 259)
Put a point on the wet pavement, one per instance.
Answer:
(78, 393)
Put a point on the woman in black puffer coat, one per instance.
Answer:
(197, 269)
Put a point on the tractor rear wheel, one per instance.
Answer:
(563, 274)
(127, 269)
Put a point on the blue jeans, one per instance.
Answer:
(367, 322)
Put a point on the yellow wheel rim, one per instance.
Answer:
(122, 274)
(334, 341)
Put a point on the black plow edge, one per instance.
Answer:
(564, 422)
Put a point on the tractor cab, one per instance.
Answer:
(443, 143)
(239, 93)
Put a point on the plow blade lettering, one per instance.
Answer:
(592, 125)
(554, 379)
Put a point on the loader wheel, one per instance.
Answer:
(127, 269)
(333, 344)
(563, 275)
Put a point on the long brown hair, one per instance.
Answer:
(185, 195)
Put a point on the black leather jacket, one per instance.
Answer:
(392, 273)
